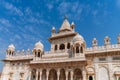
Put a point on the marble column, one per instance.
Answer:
(30, 75)
(47, 74)
(71, 73)
(93, 77)
(40, 74)
(84, 75)
(58, 74)
(117, 77)
(36, 74)
(66, 73)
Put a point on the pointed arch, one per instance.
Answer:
(77, 74)
(103, 73)
(62, 74)
(52, 74)
(90, 78)
(44, 74)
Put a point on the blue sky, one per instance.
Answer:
(24, 22)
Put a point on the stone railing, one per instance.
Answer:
(107, 48)
(53, 60)
(19, 57)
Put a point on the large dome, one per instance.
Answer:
(78, 38)
(11, 47)
(39, 45)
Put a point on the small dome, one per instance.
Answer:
(39, 45)
(77, 38)
(11, 47)
(72, 23)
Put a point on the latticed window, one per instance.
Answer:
(102, 59)
(116, 58)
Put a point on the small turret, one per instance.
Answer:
(53, 30)
(107, 41)
(11, 49)
(79, 44)
(72, 26)
(38, 49)
(94, 42)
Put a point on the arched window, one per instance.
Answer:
(62, 46)
(39, 54)
(90, 78)
(77, 49)
(81, 49)
(68, 46)
(10, 53)
(56, 47)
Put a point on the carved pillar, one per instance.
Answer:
(36, 74)
(66, 73)
(96, 71)
(79, 49)
(30, 75)
(40, 74)
(47, 74)
(58, 74)
(65, 46)
(110, 71)
(75, 51)
(84, 75)
(71, 73)
(93, 77)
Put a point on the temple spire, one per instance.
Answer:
(65, 25)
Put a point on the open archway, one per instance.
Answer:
(90, 78)
(44, 75)
(77, 74)
(52, 74)
(62, 74)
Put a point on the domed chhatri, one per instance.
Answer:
(11, 47)
(78, 38)
(39, 45)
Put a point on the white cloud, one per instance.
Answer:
(13, 9)
(118, 3)
(5, 22)
(71, 9)
(50, 6)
